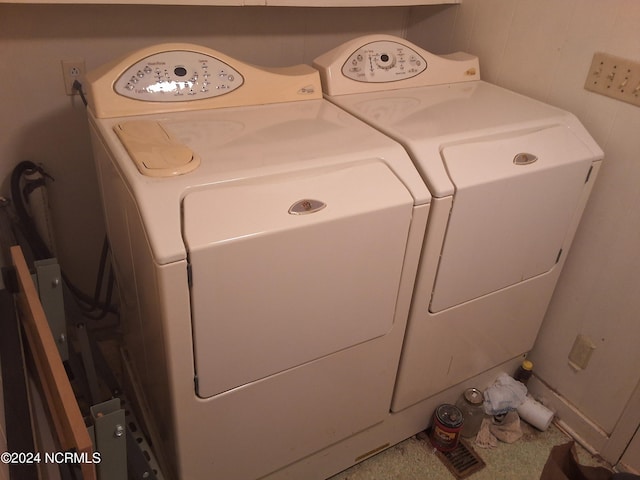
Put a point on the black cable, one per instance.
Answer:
(92, 303)
(40, 250)
(37, 245)
(107, 300)
(77, 87)
(101, 267)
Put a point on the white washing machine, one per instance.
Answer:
(510, 177)
(266, 244)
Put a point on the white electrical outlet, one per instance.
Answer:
(614, 77)
(72, 70)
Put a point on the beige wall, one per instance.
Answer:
(543, 48)
(39, 122)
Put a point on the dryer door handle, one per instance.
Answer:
(305, 206)
(524, 159)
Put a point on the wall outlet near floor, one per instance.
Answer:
(72, 70)
(581, 352)
(614, 77)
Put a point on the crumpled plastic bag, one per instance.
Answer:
(504, 395)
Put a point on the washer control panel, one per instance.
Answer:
(177, 76)
(383, 61)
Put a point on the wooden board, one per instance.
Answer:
(67, 419)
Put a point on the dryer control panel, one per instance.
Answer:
(375, 63)
(384, 61)
(177, 76)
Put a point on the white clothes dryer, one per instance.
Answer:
(510, 177)
(266, 244)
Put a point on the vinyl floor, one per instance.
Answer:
(415, 459)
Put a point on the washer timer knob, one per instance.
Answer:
(385, 61)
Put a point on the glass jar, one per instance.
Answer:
(470, 404)
(524, 371)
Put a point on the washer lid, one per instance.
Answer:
(510, 213)
(247, 142)
(425, 119)
(274, 289)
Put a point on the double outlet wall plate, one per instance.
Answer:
(614, 77)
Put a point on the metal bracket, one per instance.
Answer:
(110, 439)
(141, 460)
(114, 425)
(48, 280)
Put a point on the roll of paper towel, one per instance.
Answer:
(536, 414)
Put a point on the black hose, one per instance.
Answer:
(40, 251)
(106, 305)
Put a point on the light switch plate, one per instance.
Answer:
(614, 77)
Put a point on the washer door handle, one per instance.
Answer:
(305, 206)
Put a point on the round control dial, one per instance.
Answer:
(385, 60)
